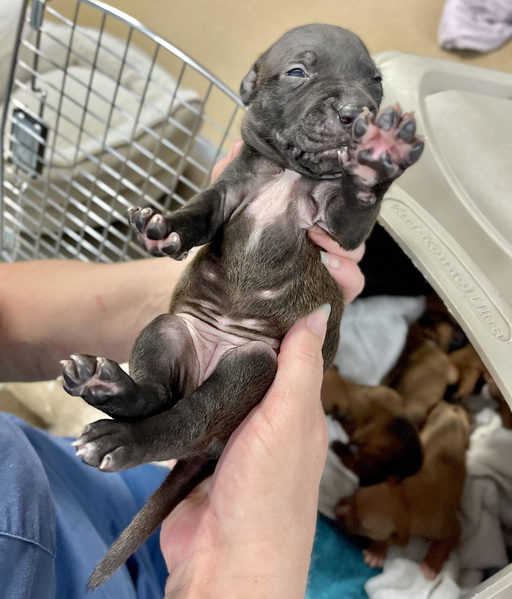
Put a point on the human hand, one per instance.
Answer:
(248, 530)
(341, 264)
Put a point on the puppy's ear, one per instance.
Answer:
(249, 85)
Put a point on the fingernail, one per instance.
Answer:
(235, 149)
(317, 320)
(329, 260)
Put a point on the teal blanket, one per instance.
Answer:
(337, 568)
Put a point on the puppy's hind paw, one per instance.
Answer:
(428, 571)
(108, 445)
(101, 382)
(375, 555)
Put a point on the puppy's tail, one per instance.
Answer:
(186, 475)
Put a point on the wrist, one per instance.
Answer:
(248, 572)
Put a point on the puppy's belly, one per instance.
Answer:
(212, 341)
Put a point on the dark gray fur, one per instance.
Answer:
(196, 372)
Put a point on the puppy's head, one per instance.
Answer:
(392, 450)
(383, 443)
(304, 94)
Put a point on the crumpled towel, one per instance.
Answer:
(337, 480)
(403, 579)
(479, 25)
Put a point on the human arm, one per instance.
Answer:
(51, 308)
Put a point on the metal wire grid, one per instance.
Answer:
(93, 125)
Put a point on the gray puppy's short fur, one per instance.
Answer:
(315, 152)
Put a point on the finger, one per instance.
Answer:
(321, 238)
(291, 411)
(346, 273)
(221, 165)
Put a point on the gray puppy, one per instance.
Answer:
(315, 153)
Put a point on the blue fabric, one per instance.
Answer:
(58, 517)
(337, 568)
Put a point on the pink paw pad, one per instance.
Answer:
(374, 557)
(153, 233)
(385, 145)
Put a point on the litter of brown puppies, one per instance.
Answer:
(424, 504)
(438, 365)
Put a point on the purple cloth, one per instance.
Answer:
(480, 25)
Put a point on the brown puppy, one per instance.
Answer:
(422, 376)
(439, 325)
(422, 505)
(383, 443)
(471, 370)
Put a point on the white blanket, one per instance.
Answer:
(373, 334)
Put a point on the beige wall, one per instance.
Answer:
(226, 35)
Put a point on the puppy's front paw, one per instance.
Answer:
(384, 146)
(155, 233)
(108, 445)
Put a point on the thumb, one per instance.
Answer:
(300, 364)
(221, 165)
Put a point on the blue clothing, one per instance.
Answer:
(58, 517)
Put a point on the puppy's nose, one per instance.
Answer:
(349, 112)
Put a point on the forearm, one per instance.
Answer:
(51, 308)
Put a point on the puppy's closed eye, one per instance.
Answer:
(297, 72)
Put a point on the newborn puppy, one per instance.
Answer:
(471, 369)
(315, 153)
(425, 504)
(439, 325)
(423, 375)
(383, 444)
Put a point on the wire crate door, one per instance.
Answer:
(100, 115)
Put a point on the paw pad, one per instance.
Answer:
(384, 145)
(155, 234)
